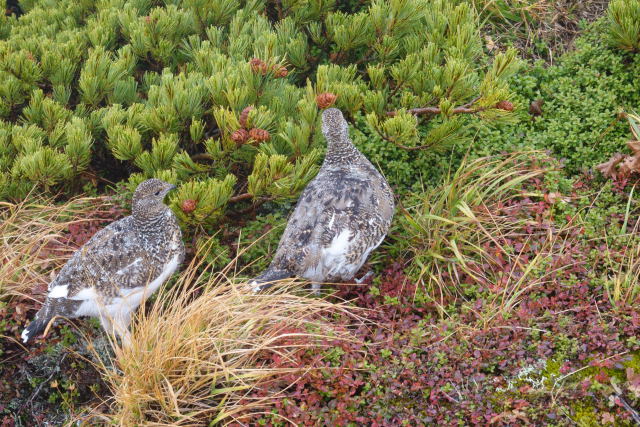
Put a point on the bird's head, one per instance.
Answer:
(148, 198)
(334, 127)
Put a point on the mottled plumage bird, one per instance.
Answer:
(342, 215)
(119, 267)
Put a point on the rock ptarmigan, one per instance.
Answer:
(119, 267)
(342, 215)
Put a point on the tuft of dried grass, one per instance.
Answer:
(461, 233)
(204, 346)
(622, 285)
(33, 241)
(452, 224)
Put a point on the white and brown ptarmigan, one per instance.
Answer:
(342, 215)
(119, 267)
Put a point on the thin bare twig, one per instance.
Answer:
(463, 109)
(634, 414)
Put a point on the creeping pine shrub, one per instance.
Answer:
(410, 170)
(583, 95)
(223, 98)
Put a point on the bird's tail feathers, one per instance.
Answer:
(267, 278)
(34, 328)
(39, 322)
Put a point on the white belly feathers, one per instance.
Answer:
(333, 259)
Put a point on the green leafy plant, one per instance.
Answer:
(583, 94)
(223, 98)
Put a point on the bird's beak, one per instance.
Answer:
(171, 187)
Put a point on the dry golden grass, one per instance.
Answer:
(622, 285)
(200, 351)
(31, 240)
(451, 225)
(621, 266)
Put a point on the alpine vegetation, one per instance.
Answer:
(118, 268)
(222, 98)
(342, 215)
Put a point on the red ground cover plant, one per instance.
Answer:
(550, 359)
(562, 352)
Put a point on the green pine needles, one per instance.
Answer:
(624, 24)
(223, 98)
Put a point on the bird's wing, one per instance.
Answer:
(354, 217)
(299, 234)
(110, 261)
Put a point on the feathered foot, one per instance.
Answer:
(363, 278)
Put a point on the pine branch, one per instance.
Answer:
(240, 197)
(463, 109)
(405, 147)
(202, 156)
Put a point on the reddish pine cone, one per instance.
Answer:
(325, 100)
(259, 134)
(240, 136)
(245, 115)
(258, 66)
(189, 205)
(255, 64)
(504, 105)
(281, 72)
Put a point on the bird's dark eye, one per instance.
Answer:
(158, 193)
